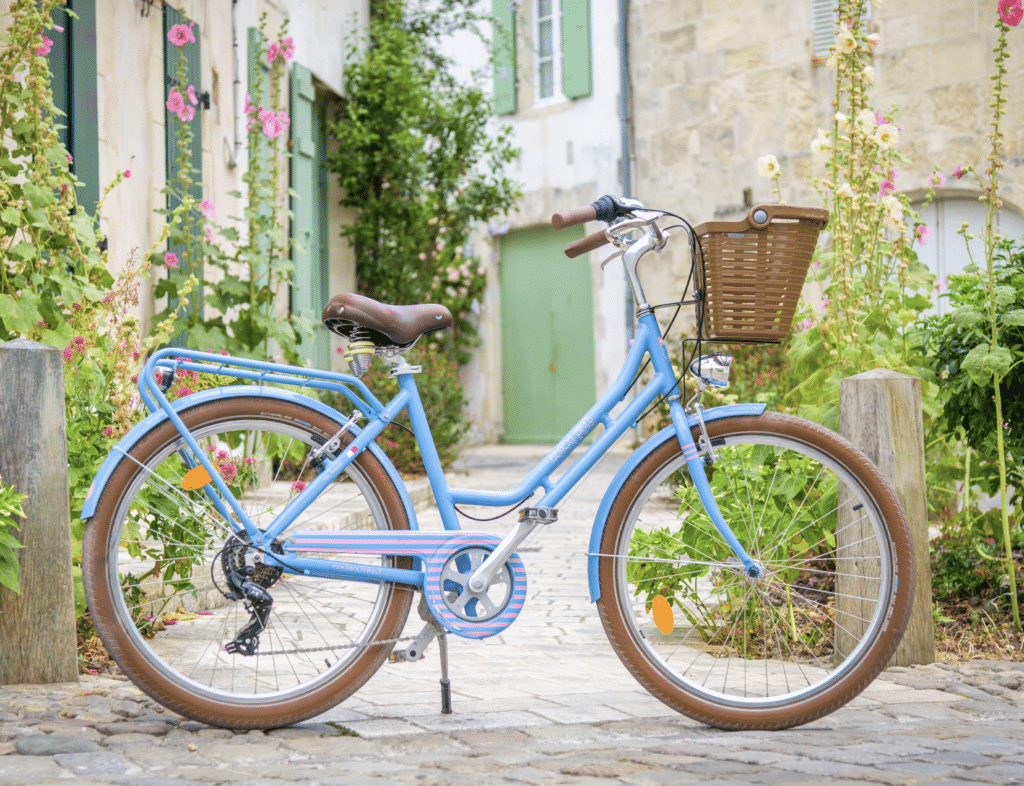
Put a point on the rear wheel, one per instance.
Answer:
(812, 630)
(157, 561)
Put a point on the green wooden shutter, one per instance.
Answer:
(257, 66)
(73, 64)
(576, 78)
(505, 87)
(308, 205)
(172, 54)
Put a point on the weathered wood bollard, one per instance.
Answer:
(880, 413)
(37, 627)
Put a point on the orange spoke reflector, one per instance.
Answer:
(663, 616)
(197, 477)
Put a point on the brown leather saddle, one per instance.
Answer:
(356, 317)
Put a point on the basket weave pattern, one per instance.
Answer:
(755, 270)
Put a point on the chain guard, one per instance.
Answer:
(455, 606)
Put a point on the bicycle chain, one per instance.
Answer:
(341, 647)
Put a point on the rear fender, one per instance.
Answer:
(154, 419)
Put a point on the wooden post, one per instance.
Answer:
(880, 413)
(37, 627)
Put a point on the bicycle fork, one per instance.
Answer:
(696, 465)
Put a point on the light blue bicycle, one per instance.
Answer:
(252, 555)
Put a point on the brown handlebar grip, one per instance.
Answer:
(589, 243)
(574, 217)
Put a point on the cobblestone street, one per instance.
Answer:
(547, 702)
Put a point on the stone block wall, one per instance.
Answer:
(717, 85)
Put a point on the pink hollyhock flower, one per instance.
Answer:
(179, 35)
(186, 113)
(127, 174)
(275, 124)
(298, 486)
(938, 179)
(272, 52)
(960, 172)
(887, 187)
(208, 234)
(70, 158)
(208, 209)
(171, 259)
(288, 47)
(47, 45)
(175, 102)
(923, 234)
(1011, 12)
(192, 94)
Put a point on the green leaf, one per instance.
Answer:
(965, 317)
(23, 250)
(1005, 295)
(1015, 317)
(56, 154)
(85, 229)
(37, 195)
(10, 216)
(985, 362)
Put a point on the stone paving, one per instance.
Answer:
(547, 702)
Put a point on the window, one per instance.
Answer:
(823, 26)
(560, 41)
(548, 64)
(945, 252)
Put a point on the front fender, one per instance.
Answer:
(154, 419)
(652, 444)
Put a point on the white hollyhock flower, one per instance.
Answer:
(768, 166)
(845, 42)
(820, 143)
(887, 136)
(845, 191)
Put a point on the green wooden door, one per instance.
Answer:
(547, 335)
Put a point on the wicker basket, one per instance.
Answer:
(754, 271)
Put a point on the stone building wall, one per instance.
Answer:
(717, 85)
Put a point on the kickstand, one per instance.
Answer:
(446, 686)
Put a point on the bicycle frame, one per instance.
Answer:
(647, 342)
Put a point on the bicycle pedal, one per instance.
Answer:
(539, 515)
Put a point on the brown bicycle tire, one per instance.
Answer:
(138, 665)
(725, 715)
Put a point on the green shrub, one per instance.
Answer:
(444, 402)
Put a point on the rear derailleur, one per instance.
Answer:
(248, 579)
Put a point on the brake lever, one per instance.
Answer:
(616, 255)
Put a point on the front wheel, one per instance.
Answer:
(796, 642)
(157, 562)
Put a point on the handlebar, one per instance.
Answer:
(608, 208)
(574, 217)
(586, 245)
